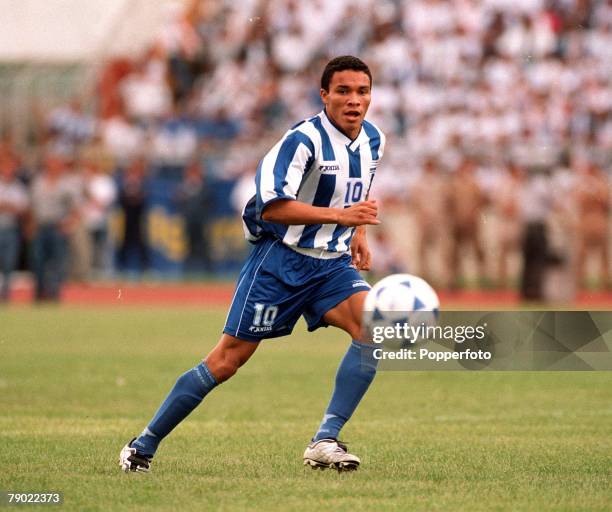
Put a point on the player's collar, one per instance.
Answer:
(335, 131)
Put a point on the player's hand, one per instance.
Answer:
(359, 214)
(360, 252)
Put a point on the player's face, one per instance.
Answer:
(347, 100)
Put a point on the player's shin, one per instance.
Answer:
(189, 390)
(355, 373)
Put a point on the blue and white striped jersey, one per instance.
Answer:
(317, 164)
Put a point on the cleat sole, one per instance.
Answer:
(315, 464)
(338, 466)
(347, 466)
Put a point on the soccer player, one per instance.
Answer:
(307, 223)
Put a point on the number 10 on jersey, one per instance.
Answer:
(354, 191)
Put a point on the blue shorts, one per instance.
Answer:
(277, 285)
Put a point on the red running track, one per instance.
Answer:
(220, 295)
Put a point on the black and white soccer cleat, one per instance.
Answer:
(132, 461)
(329, 453)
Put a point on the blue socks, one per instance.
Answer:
(355, 373)
(189, 390)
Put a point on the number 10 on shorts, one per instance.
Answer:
(264, 315)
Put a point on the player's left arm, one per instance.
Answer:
(360, 251)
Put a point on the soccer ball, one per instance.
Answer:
(400, 299)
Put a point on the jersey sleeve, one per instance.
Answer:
(280, 173)
(383, 141)
(377, 140)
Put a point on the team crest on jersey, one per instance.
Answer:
(329, 168)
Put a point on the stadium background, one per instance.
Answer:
(95, 85)
(465, 91)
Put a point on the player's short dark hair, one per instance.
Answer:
(341, 64)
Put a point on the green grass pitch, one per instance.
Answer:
(75, 384)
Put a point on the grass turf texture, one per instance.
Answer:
(75, 384)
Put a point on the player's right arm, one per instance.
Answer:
(293, 212)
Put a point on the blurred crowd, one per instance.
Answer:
(510, 222)
(494, 109)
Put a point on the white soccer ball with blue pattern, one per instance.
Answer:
(400, 299)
